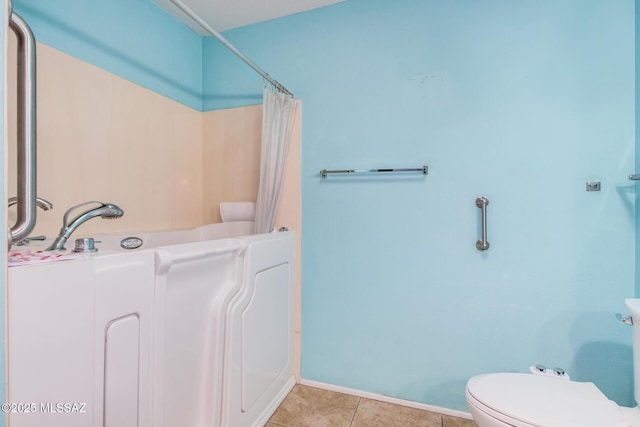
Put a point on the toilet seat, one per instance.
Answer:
(525, 400)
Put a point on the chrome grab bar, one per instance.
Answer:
(26, 191)
(634, 177)
(482, 202)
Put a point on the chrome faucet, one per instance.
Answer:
(105, 210)
(45, 205)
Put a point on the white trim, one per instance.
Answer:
(268, 412)
(387, 399)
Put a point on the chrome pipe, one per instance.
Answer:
(483, 244)
(191, 14)
(26, 191)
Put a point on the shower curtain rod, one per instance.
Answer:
(191, 14)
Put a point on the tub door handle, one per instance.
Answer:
(26, 194)
(483, 244)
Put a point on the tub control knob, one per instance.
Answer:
(541, 368)
(558, 371)
(85, 245)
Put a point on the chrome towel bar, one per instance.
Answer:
(424, 170)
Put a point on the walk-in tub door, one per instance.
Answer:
(194, 283)
(259, 343)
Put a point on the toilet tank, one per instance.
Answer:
(633, 305)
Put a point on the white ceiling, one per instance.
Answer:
(224, 15)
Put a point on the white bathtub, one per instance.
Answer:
(186, 331)
(114, 242)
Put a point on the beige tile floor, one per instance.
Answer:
(312, 407)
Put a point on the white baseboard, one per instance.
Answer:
(273, 405)
(387, 399)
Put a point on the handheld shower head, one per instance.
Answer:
(105, 210)
(110, 211)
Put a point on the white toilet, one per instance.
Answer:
(525, 400)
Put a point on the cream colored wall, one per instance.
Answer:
(101, 137)
(230, 157)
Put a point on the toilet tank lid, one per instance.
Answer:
(545, 401)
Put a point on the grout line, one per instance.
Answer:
(354, 412)
(387, 399)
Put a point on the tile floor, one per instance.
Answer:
(312, 407)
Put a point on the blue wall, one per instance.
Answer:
(134, 39)
(523, 102)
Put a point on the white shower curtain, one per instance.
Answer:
(277, 124)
